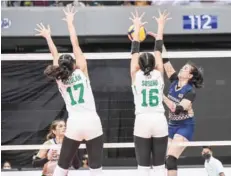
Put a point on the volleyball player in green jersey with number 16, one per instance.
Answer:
(83, 122)
(150, 129)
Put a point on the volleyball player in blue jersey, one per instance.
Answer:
(179, 100)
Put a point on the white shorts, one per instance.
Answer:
(151, 125)
(84, 126)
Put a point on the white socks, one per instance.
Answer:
(159, 171)
(143, 171)
(60, 172)
(96, 172)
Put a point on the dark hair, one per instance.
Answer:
(53, 126)
(207, 147)
(197, 80)
(63, 71)
(146, 63)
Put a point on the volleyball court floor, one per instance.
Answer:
(118, 172)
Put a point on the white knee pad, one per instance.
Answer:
(159, 170)
(143, 171)
(60, 171)
(96, 172)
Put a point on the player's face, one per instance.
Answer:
(205, 150)
(60, 129)
(185, 72)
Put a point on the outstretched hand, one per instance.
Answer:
(163, 17)
(43, 31)
(137, 20)
(69, 12)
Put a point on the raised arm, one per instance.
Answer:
(137, 22)
(81, 63)
(46, 33)
(161, 20)
(167, 65)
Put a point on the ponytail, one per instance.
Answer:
(50, 135)
(197, 80)
(64, 73)
(147, 71)
(58, 72)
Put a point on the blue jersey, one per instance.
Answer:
(176, 95)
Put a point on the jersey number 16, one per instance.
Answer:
(153, 98)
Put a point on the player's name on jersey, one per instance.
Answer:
(150, 83)
(73, 79)
(173, 99)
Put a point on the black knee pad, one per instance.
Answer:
(171, 162)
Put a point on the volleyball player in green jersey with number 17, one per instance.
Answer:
(83, 122)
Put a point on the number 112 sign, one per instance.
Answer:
(199, 22)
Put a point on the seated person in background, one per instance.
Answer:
(6, 165)
(212, 165)
(48, 159)
(85, 161)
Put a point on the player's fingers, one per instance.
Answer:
(137, 14)
(131, 19)
(142, 15)
(40, 27)
(64, 11)
(165, 12)
(37, 30)
(72, 9)
(48, 27)
(68, 8)
(75, 11)
(155, 18)
(133, 16)
(159, 12)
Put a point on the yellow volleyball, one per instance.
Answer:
(142, 33)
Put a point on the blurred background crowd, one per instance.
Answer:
(109, 3)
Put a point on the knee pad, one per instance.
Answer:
(95, 165)
(171, 162)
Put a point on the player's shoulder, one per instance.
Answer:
(190, 88)
(77, 71)
(157, 72)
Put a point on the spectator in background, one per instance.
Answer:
(6, 165)
(41, 3)
(27, 3)
(85, 161)
(127, 3)
(212, 165)
(143, 3)
(15, 3)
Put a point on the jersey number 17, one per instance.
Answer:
(153, 97)
(75, 88)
